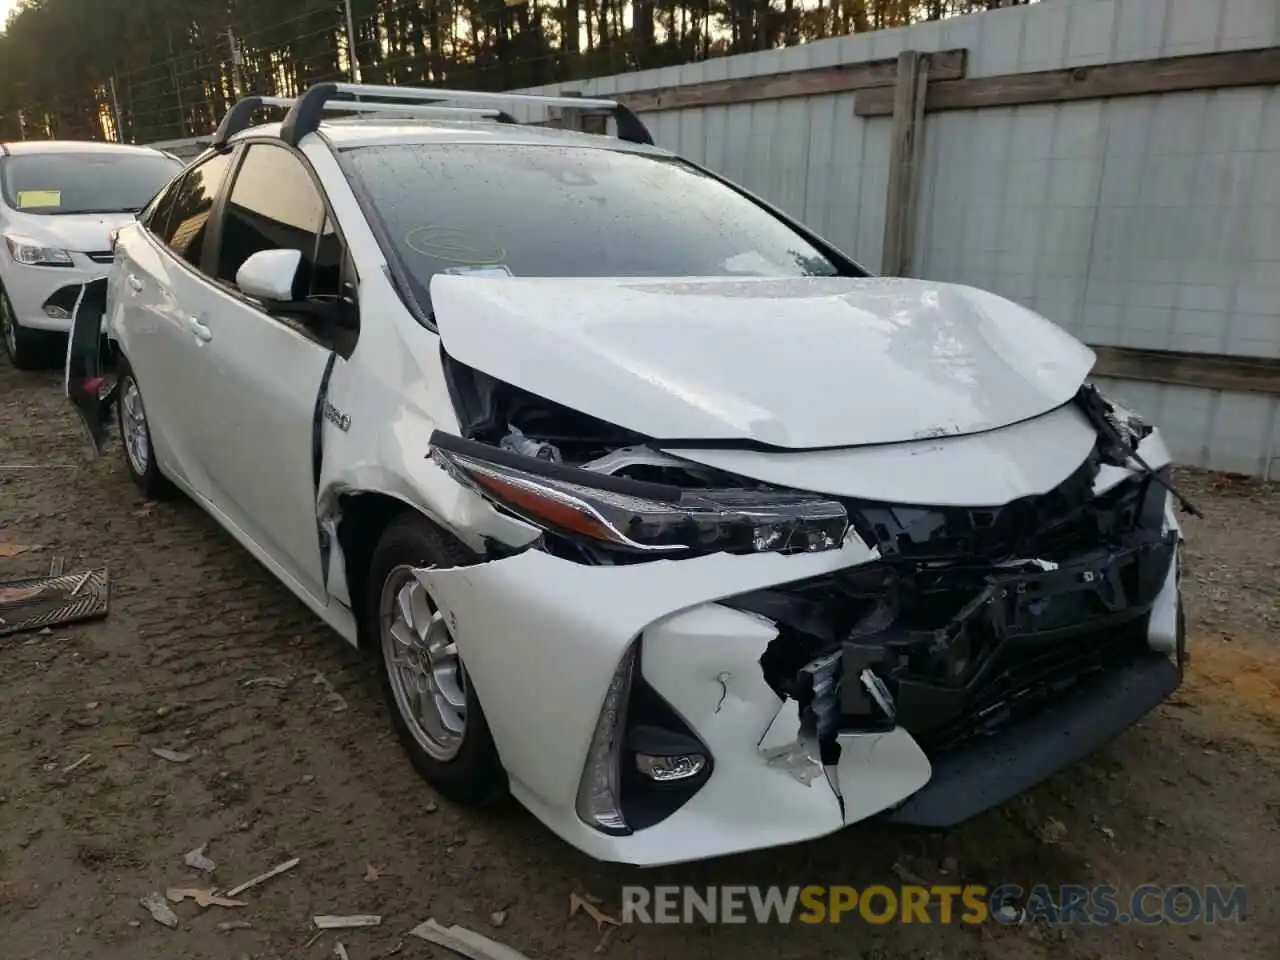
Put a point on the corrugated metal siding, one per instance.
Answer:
(1238, 432)
(1148, 222)
(1144, 222)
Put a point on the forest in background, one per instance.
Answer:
(168, 64)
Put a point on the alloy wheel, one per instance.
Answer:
(133, 426)
(427, 679)
(8, 328)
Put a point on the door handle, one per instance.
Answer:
(135, 284)
(198, 328)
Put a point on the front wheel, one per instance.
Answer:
(135, 436)
(27, 349)
(434, 707)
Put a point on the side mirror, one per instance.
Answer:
(270, 276)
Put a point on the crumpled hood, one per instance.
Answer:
(80, 233)
(798, 363)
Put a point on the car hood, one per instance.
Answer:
(804, 363)
(79, 232)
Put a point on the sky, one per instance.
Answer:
(5, 7)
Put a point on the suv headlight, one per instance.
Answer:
(33, 253)
(641, 517)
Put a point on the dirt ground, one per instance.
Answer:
(1192, 795)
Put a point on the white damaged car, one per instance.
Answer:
(658, 511)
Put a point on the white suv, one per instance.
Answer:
(655, 508)
(60, 201)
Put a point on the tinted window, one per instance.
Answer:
(156, 216)
(194, 198)
(326, 281)
(550, 211)
(274, 205)
(91, 182)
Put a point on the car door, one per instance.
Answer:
(263, 369)
(87, 383)
(156, 284)
(133, 306)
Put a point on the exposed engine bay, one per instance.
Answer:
(970, 618)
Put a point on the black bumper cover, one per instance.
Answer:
(987, 771)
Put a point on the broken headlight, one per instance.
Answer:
(1121, 430)
(642, 517)
(1129, 425)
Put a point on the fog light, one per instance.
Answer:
(57, 312)
(668, 769)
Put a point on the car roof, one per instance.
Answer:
(20, 147)
(364, 132)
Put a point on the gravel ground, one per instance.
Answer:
(1192, 795)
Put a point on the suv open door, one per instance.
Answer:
(88, 387)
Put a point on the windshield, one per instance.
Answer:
(96, 182)
(552, 211)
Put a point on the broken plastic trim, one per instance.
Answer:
(1019, 640)
(642, 517)
(948, 641)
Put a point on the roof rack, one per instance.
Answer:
(239, 116)
(306, 111)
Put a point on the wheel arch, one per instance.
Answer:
(356, 506)
(363, 516)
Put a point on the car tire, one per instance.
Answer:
(466, 769)
(131, 419)
(27, 349)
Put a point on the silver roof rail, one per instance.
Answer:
(239, 117)
(402, 109)
(306, 111)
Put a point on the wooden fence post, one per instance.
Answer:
(570, 119)
(905, 152)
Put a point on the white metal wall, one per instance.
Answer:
(1145, 222)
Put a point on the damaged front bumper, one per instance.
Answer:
(928, 725)
(985, 772)
(543, 638)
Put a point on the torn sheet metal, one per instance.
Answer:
(334, 562)
(417, 482)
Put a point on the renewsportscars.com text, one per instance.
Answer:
(942, 904)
